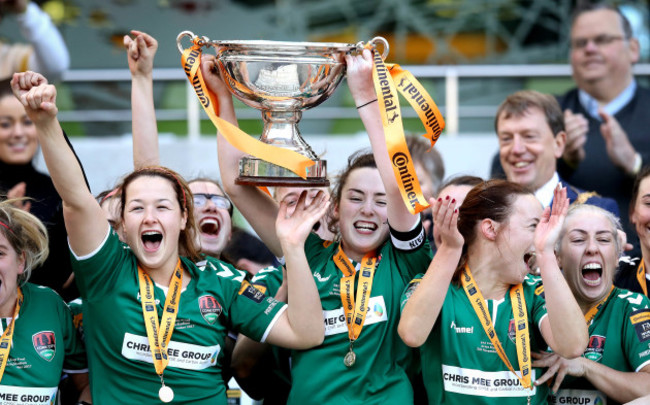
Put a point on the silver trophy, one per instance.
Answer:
(281, 79)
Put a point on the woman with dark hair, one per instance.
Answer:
(379, 242)
(136, 356)
(476, 313)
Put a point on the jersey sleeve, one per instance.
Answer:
(75, 360)
(253, 313)
(636, 329)
(268, 280)
(411, 250)
(538, 309)
(97, 272)
(408, 291)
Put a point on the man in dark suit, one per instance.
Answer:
(530, 128)
(606, 115)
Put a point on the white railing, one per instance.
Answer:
(452, 110)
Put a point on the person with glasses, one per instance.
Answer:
(606, 114)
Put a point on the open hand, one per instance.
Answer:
(576, 127)
(557, 366)
(445, 222)
(619, 149)
(549, 227)
(293, 229)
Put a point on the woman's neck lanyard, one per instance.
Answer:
(355, 309)
(8, 334)
(591, 314)
(522, 335)
(640, 276)
(157, 342)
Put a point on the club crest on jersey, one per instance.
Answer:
(210, 308)
(595, 348)
(44, 344)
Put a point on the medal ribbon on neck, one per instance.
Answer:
(640, 276)
(157, 342)
(589, 316)
(355, 309)
(5, 340)
(522, 335)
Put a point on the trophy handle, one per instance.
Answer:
(192, 36)
(374, 42)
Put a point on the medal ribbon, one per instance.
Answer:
(5, 340)
(640, 276)
(522, 335)
(158, 343)
(355, 310)
(591, 314)
(388, 79)
(297, 163)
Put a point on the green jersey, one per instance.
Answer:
(214, 301)
(460, 364)
(619, 338)
(44, 344)
(378, 376)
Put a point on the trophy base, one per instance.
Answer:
(256, 172)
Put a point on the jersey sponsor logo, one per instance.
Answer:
(320, 278)
(335, 319)
(181, 355)
(260, 287)
(641, 321)
(580, 397)
(461, 329)
(12, 395)
(210, 308)
(45, 344)
(595, 348)
(484, 383)
(251, 292)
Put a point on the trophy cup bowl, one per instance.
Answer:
(281, 79)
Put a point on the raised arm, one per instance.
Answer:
(564, 329)
(359, 76)
(259, 209)
(301, 325)
(423, 307)
(84, 219)
(140, 52)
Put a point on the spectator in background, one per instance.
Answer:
(532, 136)
(606, 115)
(46, 52)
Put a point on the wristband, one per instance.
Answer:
(638, 163)
(369, 102)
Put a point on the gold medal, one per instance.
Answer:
(350, 358)
(166, 394)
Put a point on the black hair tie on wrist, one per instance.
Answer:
(369, 102)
